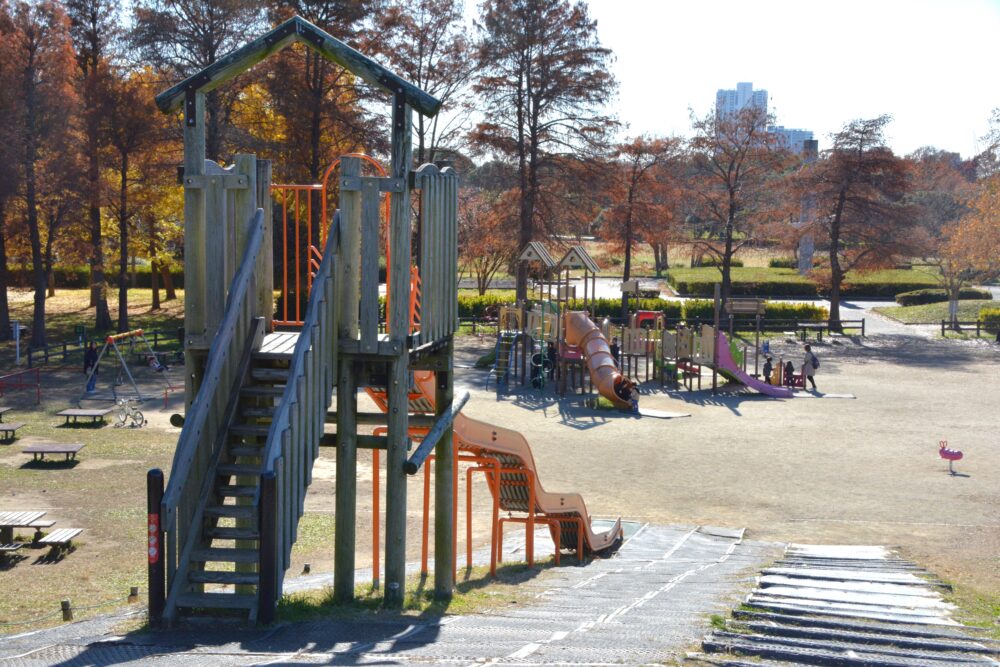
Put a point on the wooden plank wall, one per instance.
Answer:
(438, 251)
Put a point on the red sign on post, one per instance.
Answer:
(154, 538)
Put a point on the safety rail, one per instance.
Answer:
(204, 429)
(293, 439)
(19, 380)
(430, 440)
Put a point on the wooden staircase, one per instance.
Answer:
(222, 571)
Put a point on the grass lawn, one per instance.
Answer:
(933, 313)
(71, 307)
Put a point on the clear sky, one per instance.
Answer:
(931, 64)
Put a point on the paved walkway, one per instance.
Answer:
(650, 603)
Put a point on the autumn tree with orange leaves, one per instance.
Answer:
(636, 212)
(485, 239)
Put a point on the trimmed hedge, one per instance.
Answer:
(713, 261)
(923, 296)
(703, 310)
(79, 277)
(783, 263)
(990, 318)
(781, 282)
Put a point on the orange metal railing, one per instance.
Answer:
(304, 223)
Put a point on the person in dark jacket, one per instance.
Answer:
(90, 362)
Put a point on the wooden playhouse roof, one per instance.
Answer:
(578, 258)
(536, 252)
(297, 29)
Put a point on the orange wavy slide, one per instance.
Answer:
(565, 513)
(582, 332)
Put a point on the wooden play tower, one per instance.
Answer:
(260, 403)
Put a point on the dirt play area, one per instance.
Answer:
(837, 470)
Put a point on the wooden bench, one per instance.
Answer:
(60, 539)
(77, 413)
(38, 526)
(4, 409)
(9, 548)
(9, 430)
(806, 327)
(39, 451)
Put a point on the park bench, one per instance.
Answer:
(8, 430)
(78, 413)
(61, 538)
(39, 451)
(806, 327)
(6, 549)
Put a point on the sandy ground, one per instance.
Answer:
(806, 470)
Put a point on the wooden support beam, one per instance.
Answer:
(444, 492)
(398, 389)
(380, 419)
(194, 257)
(350, 256)
(347, 474)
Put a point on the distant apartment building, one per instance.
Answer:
(792, 139)
(730, 101)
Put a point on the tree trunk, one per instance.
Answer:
(154, 268)
(168, 284)
(98, 282)
(954, 291)
(123, 245)
(5, 333)
(836, 273)
(31, 202)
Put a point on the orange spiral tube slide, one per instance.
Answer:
(582, 332)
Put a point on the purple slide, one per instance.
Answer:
(728, 367)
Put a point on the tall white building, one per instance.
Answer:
(731, 101)
(792, 139)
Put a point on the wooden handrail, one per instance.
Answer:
(200, 432)
(297, 425)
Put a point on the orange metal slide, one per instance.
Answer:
(582, 332)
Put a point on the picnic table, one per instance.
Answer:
(77, 413)
(39, 451)
(11, 520)
(818, 327)
(4, 409)
(8, 430)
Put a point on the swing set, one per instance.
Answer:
(134, 342)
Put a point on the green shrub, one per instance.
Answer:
(990, 318)
(475, 305)
(712, 260)
(703, 311)
(923, 296)
(783, 263)
(745, 282)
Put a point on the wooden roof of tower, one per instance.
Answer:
(536, 252)
(578, 258)
(297, 29)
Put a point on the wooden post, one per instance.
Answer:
(350, 254)
(444, 529)
(347, 474)
(715, 342)
(154, 547)
(398, 389)
(267, 591)
(194, 235)
(265, 262)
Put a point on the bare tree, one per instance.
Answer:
(858, 186)
(425, 41)
(735, 161)
(543, 85)
(181, 37)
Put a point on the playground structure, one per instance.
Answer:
(258, 401)
(113, 347)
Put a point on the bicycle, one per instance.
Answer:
(127, 411)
